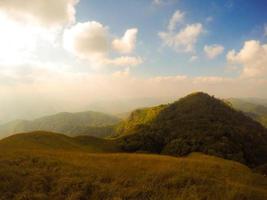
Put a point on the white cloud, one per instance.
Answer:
(185, 39)
(163, 2)
(176, 18)
(265, 30)
(126, 44)
(122, 74)
(87, 40)
(40, 12)
(27, 27)
(157, 2)
(193, 58)
(209, 79)
(92, 41)
(124, 61)
(212, 51)
(209, 19)
(253, 58)
(169, 78)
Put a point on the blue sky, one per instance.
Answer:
(232, 23)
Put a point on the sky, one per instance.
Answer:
(64, 55)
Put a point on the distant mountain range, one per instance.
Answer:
(252, 108)
(195, 123)
(72, 124)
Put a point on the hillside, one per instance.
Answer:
(46, 141)
(256, 111)
(138, 118)
(199, 122)
(72, 175)
(82, 123)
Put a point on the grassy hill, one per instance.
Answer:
(76, 175)
(257, 112)
(40, 140)
(82, 123)
(198, 122)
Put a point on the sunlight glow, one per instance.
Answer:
(19, 41)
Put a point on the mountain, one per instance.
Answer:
(82, 123)
(43, 166)
(254, 110)
(258, 101)
(196, 123)
(47, 141)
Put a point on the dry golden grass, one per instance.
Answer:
(58, 175)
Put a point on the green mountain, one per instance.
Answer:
(256, 111)
(72, 124)
(196, 123)
(44, 166)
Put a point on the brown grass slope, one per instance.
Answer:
(57, 175)
(49, 166)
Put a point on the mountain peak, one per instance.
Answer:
(198, 94)
(200, 122)
(198, 97)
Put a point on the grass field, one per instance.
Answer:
(57, 175)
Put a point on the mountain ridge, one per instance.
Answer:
(88, 123)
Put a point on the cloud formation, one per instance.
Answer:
(185, 39)
(252, 57)
(92, 41)
(126, 44)
(176, 18)
(163, 2)
(87, 39)
(41, 12)
(212, 51)
(193, 58)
